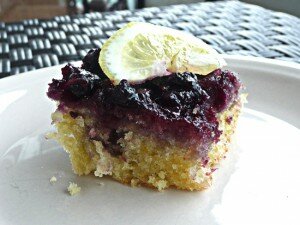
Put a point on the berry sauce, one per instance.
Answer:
(181, 105)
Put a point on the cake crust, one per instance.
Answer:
(147, 160)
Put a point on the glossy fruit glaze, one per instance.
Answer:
(184, 106)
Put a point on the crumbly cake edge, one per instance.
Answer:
(90, 156)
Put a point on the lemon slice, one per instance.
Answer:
(141, 51)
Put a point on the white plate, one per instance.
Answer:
(258, 183)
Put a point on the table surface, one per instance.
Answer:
(231, 27)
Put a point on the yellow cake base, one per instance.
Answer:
(146, 160)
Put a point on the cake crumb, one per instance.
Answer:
(128, 136)
(161, 185)
(73, 189)
(53, 180)
(134, 182)
(162, 175)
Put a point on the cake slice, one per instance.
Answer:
(169, 129)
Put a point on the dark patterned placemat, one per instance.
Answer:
(231, 27)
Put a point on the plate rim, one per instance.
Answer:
(259, 60)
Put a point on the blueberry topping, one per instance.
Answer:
(90, 63)
(184, 105)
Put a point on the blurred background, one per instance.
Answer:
(15, 10)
